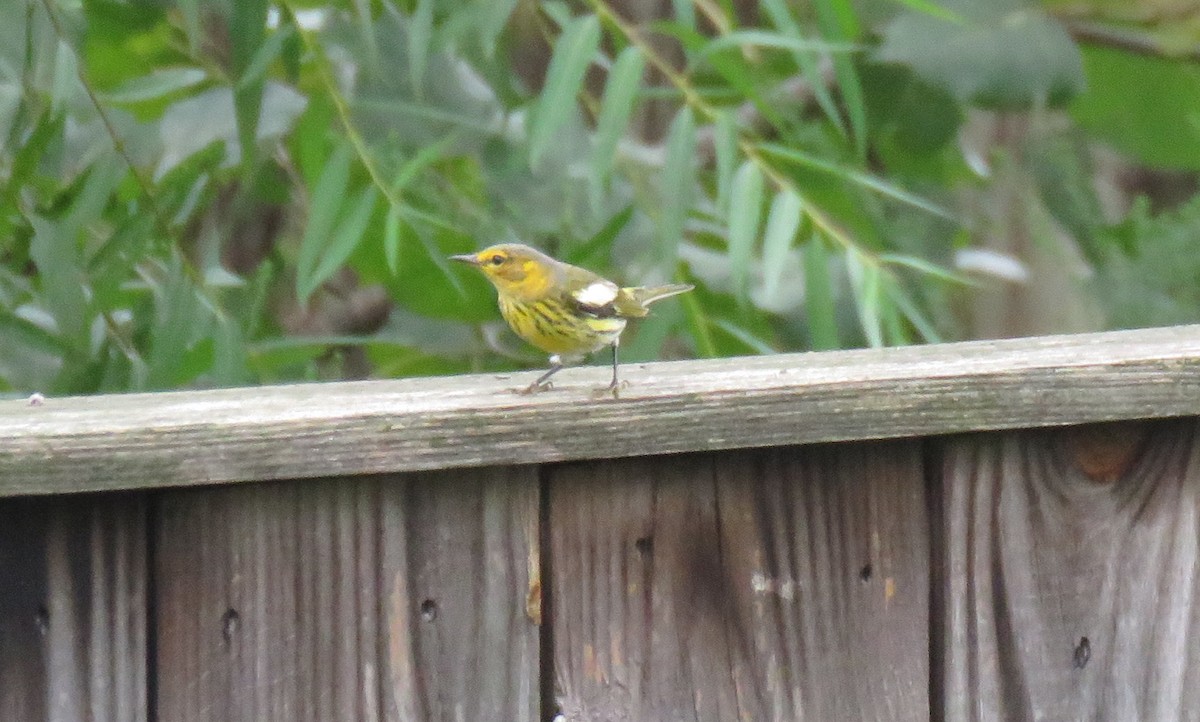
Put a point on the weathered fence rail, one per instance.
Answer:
(445, 549)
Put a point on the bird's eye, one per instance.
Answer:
(497, 259)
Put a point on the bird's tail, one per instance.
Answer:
(644, 296)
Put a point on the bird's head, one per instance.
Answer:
(514, 269)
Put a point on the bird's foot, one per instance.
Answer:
(536, 388)
(613, 389)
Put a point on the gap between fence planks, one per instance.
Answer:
(305, 431)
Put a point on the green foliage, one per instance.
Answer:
(1151, 275)
(210, 192)
(996, 53)
(1145, 106)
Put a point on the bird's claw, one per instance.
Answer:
(613, 389)
(536, 388)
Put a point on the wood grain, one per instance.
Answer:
(780, 584)
(73, 586)
(1104, 452)
(1062, 598)
(235, 435)
(396, 598)
(463, 645)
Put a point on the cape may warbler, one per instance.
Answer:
(564, 310)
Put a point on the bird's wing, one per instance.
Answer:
(596, 297)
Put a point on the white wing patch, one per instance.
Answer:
(597, 294)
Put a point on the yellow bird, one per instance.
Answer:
(564, 310)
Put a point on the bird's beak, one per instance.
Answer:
(466, 258)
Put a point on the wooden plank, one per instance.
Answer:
(779, 584)
(73, 609)
(462, 568)
(1070, 577)
(386, 426)
(350, 599)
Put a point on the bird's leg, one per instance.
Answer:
(543, 381)
(614, 387)
(613, 384)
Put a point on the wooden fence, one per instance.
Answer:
(939, 532)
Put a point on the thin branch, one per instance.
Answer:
(696, 101)
(352, 134)
(1141, 43)
(161, 223)
(118, 142)
(796, 90)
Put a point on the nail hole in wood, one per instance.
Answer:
(866, 572)
(41, 619)
(1083, 653)
(644, 545)
(429, 610)
(230, 621)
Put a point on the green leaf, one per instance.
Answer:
(697, 321)
(1145, 106)
(725, 145)
(393, 228)
(247, 28)
(783, 222)
(256, 69)
(101, 184)
(18, 330)
(156, 85)
(854, 176)
(420, 35)
(745, 212)
(781, 16)
(120, 41)
(349, 234)
(179, 322)
(182, 187)
(908, 113)
(367, 28)
(779, 41)
(678, 179)
(573, 53)
(425, 156)
(745, 80)
(192, 27)
(424, 284)
(558, 11)
(620, 93)
(685, 13)
(229, 365)
(818, 297)
(915, 316)
(1002, 54)
(648, 338)
(895, 331)
(1062, 165)
(930, 269)
(113, 262)
(932, 8)
(743, 336)
(393, 360)
(1148, 276)
(592, 251)
(325, 200)
(865, 280)
(56, 250)
(836, 20)
(491, 17)
(23, 163)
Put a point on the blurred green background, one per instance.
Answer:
(221, 192)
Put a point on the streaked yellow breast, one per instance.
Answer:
(549, 325)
